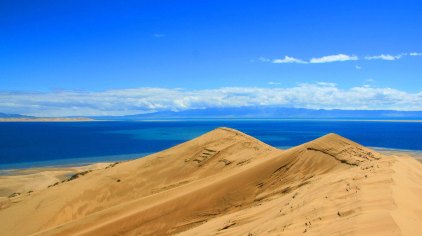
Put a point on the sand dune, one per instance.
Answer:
(228, 183)
(27, 181)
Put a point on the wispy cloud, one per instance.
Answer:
(143, 100)
(334, 58)
(358, 67)
(274, 83)
(338, 58)
(389, 57)
(264, 59)
(288, 59)
(386, 57)
(413, 54)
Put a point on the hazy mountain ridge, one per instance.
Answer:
(276, 112)
(261, 112)
(7, 115)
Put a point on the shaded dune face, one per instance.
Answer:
(228, 183)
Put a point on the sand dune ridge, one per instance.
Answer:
(228, 183)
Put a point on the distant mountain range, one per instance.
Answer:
(272, 113)
(5, 115)
(262, 112)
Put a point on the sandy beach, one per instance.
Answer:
(400, 153)
(223, 183)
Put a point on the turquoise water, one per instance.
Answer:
(28, 144)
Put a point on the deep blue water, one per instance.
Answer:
(25, 144)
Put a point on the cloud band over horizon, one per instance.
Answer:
(145, 100)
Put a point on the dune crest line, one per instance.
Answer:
(226, 182)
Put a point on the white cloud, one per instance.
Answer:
(370, 80)
(338, 57)
(358, 67)
(274, 83)
(264, 59)
(389, 57)
(334, 58)
(386, 57)
(288, 59)
(326, 84)
(415, 54)
(142, 100)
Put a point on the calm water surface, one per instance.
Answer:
(27, 144)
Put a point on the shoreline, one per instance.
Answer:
(84, 119)
(417, 155)
(70, 162)
(275, 119)
(52, 119)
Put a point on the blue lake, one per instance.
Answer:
(29, 144)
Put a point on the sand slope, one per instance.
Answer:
(26, 181)
(228, 183)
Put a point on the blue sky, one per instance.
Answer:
(112, 55)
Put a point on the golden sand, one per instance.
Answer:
(228, 183)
